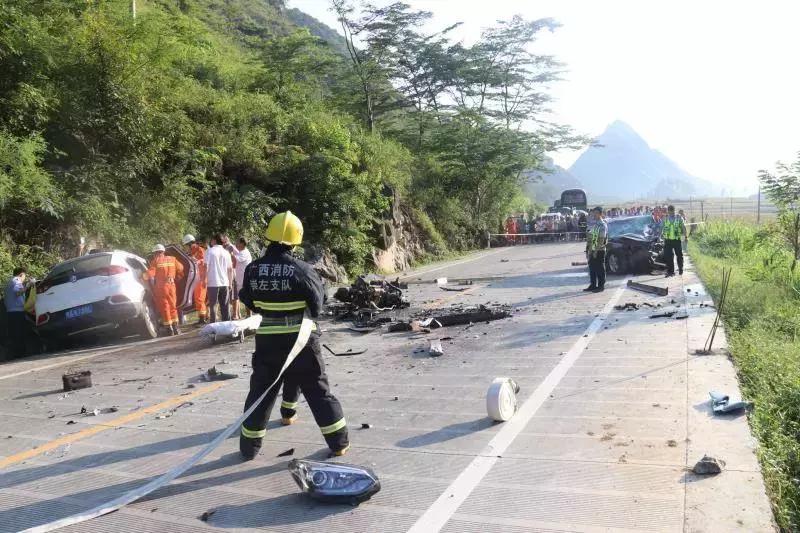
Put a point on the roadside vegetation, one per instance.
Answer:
(201, 116)
(762, 319)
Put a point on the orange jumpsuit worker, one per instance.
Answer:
(163, 271)
(200, 288)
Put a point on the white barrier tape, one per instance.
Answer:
(129, 497)
(534, 234)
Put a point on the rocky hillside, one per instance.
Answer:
(623, 166)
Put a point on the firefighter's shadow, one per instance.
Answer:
(447, 433)
(287, 509)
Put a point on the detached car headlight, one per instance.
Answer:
(334, 482)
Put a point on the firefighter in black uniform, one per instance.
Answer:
(281, 289)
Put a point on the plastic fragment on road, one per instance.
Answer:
(721, 403)
(77, 380)
(287, 453)
(212, 374)
(436, 349)
(708, 466)
(501, 399)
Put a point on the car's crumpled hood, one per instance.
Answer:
(644, 239)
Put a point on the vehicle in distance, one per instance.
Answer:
(99, 293)
(634, 245)
(574, 198)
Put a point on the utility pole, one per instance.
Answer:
(758, 212)
(702, 212)
(133, 9)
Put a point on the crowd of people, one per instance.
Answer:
(220, 267)
(545, 227)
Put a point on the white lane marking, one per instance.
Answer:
(438, 514)
(71, 360)
(471, 259)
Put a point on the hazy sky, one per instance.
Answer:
(712, 84)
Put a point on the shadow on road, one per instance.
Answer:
(446, 433)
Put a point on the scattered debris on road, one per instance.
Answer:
(721, 403)
(366, 426)
(579, 263)
(650, 289)
(629, 306)
(349, 351)
(369, 291)
(208, 514)
(77, 380)
(212, 374)
(287, 453)
(708, 466)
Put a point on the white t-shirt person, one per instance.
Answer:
(218, 266)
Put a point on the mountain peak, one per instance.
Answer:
(623, 166)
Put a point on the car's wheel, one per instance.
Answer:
(616, 264)
(146, 323)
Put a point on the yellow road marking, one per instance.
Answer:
(111, 424)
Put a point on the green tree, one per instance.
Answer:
(783, 188)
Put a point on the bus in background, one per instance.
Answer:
(574, 198)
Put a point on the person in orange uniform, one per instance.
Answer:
(163, 272)
(199, 295)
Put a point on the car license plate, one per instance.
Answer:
(79, 311)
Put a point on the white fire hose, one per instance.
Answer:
(306, 327)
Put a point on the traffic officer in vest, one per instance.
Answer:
(164, 270)
(596, 241)
(674, 230)
(199, 295)
(281, 289)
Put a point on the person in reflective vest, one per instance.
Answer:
(282, 288)
(673, 230)
(164, 270)
(596, 241)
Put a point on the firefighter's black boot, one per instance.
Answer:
(249, 447)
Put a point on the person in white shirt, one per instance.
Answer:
(219, 273)
(243, 257)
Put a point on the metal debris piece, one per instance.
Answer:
(366, 426)
(579, 263)
(629, 306)
(436, 349)
(207, 515)
(70, 422)
(212, 374)
(504, 260)
(453, 289)
(349, 351)
(651, 289)
(287, 453)
(708, 466)
(480, 314)
(77, 380)
(721, 403)
(665, 314)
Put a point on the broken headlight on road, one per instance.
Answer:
(333, 482)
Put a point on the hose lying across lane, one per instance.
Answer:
(306, 328)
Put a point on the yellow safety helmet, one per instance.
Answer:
(285, 228)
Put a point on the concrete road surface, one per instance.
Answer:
(613, 409)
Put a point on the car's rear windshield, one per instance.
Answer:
(84, 264)
(83, 267)
(643, 226)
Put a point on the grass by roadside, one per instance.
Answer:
(762, 320)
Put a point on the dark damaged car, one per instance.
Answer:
(634, 245)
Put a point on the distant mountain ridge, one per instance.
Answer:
(624, 167)
(546, 186)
